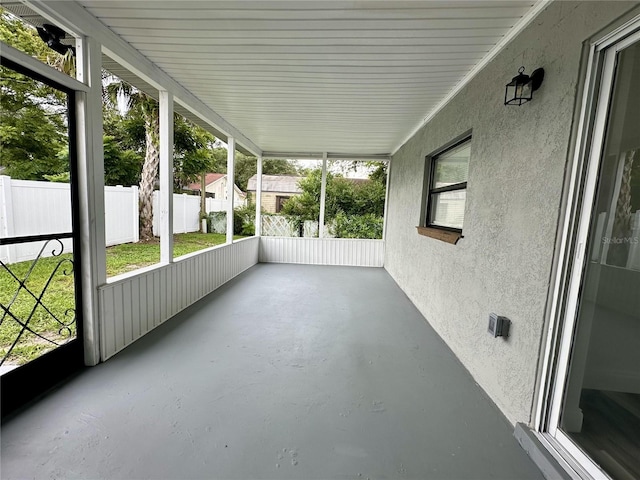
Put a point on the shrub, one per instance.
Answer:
(243, 221)
(357, 226)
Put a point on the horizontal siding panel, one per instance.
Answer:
(131, 307)
(178, 12)
(287, 5)
(203, 37)
(326, 251)
(232, 37)
(308, 24)
(256, 51)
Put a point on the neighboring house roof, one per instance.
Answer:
(276, 183)
(209, 179)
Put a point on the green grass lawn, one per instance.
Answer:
(58, 297)
(131, 256)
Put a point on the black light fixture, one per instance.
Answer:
(51, 35)
(520, 89)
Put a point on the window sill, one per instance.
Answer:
(443, 235)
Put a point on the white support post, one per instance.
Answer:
(166, 177)
(135, 205)
(90, 180)
(231, 155)
(7, 228)
(323, 193)
(185, 226)
(258, 222)
(386, 202)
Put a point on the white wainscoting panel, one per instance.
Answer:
(133, 304)
(322, 251)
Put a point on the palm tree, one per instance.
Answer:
(139, 103)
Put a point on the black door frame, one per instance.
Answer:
(28, 381)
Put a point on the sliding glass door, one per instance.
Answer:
(595, 410)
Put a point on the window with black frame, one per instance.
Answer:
(447, 190)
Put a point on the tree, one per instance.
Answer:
(246, 167)
(306, 206)
(275, 166)
(379, 173)
(121, 166)
(32, 136)
(192, 146)
(14, 32)
(33, 132)
(138, 130)
(344, 195)
(146, 109)
(123, 142)
(218, 160)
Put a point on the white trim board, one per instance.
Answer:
(40, 68)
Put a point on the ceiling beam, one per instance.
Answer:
(376, 157)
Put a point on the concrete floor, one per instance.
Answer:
(288, 371)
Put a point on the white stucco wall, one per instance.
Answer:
(516, 172)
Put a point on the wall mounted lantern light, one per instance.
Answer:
(520, 89)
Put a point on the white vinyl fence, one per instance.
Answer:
(33, 208)
(121, 215)
(38, 208)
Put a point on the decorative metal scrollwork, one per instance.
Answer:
(65, 321)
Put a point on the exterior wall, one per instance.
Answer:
(269, 200)
(516, 174)
(219, 189)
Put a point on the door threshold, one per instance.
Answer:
(541, 456)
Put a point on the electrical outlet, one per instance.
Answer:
(498, 326)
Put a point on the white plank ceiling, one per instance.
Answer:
(312, 76)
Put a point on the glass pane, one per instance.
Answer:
(290, 198)
(452, 167)
(246, 167)
(447, 209)
(37, 297)
(130, 131)
(355, 199)
(601, 410)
